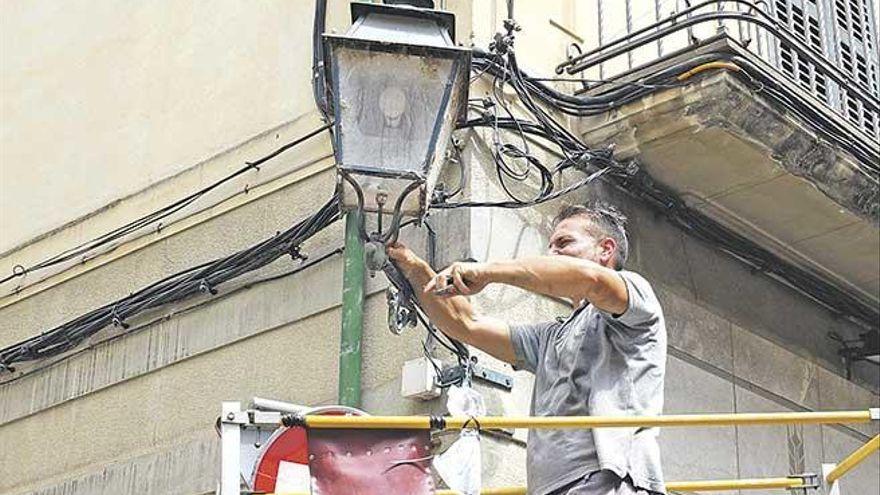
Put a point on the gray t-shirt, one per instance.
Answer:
(596, 364)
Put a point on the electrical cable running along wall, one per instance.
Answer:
(203, 278)
(501, 64)
(156, 216)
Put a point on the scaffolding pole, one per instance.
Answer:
(687, 486)
(853, 459)
(684, 486)
(561, 422)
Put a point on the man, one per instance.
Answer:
(607, 358)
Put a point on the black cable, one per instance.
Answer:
(204, 278)
(157, 215)
(865, 152)
(319, 81)
(518, 204)
(640, 184)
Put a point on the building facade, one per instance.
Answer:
(113, 111)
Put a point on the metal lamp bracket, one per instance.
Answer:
(401, 314)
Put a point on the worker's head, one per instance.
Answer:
(595, 231)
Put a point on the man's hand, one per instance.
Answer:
(459, 279)
(408, 262)
(455, 316)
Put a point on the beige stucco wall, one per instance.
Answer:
(102, 99)
(116, 109)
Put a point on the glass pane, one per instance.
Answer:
(388, 105)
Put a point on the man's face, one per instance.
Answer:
(574, 237)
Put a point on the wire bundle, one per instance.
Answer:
(156, 216)
(514, 162)
(459, 350)
(585, 105)
(502, 65)
(199, 279)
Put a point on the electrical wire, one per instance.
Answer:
(156, 216)
(201, 279)
(758, 80)
(532, 94)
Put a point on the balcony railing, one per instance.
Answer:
(833, 61)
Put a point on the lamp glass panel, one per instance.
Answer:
(388, 105)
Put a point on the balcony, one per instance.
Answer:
(787, 159)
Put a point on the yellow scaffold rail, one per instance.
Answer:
(683, 486)
(853, 459)
(559, 422)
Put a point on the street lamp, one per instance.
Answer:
(398, 85)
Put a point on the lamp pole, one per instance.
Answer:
(352, 313)
(398, 87)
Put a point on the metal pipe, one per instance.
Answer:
(743, 484)
(853, 459)
(352, 312)
(567, 422)
(277, 405)
(230, 450)
(684, 486)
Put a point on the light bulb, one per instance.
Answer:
(392, 101)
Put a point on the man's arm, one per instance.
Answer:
(454, 315)
(559, 276)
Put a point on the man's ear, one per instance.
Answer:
(607, 251)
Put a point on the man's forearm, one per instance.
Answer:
(562, 276)
(452, 315)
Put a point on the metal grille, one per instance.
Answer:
(856, 54)
(842, 31)
(802, 19)
(837, 33)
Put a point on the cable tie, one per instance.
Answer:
(296, 254)
(117, 321)
(19, 270)
(294, 419)
(204, 286)
(437, 423)
(469, 420)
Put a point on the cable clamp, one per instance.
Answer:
(437, 423)
(294, 419)
(296, 254)
(809, 480)
(204, 286)
(118, 320)
(401, 313)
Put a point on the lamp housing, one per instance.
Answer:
(398, 85)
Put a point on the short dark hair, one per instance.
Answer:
(606, 220)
